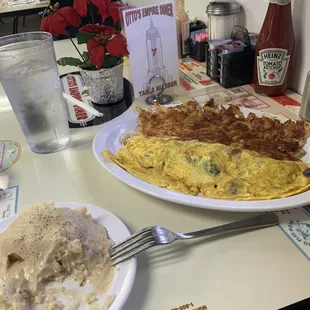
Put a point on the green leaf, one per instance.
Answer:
(111, 61)
(69, 61)
(280, 70)
(83, 37)
(85, 56)
(87, 66)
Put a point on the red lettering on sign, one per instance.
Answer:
(286, 100)
(75, 93)
(80, 113)
(166, 9)
(185, 67)
(132, 16)
(154, 50)
(186, 85)
(71, 81)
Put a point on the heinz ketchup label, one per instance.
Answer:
(272, 65)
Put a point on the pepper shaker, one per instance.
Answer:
(304, 113)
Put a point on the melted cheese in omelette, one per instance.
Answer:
(215, 170)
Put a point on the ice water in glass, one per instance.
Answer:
(30, 79)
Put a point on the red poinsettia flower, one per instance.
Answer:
(113, 10)
(99, 29)
(57, 22)
(106, 8)
(106, 40)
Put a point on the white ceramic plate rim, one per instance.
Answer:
(108, 139)
(117, 230)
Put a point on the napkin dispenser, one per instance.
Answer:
(231, 68)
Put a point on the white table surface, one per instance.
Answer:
(258, 270)
(23, 7)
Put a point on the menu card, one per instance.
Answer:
(152, 44)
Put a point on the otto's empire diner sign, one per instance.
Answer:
(152, 42)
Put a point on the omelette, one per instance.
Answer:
(210, 169)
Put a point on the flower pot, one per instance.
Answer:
(104, 85)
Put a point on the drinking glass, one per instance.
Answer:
(30, 79)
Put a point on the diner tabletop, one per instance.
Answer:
(24, 7)
(261, 269)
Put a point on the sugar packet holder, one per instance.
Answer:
(197, 41)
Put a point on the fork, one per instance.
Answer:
(156, 235)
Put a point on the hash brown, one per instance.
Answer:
(210, 123)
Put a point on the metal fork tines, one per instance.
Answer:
(131, 246)
(157, 235)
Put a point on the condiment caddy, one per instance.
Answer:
(231, 61)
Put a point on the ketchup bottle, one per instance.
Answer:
(274, 50)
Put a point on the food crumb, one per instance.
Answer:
(74, 306)
(90, 298)
(109, 301)
(50, 303)
(83, 211)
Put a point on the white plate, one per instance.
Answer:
(108, 138)
(125, 272)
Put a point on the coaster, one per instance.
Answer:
(10, 153)
(73, 84)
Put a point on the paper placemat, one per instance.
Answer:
(9, 202)
(295, 224)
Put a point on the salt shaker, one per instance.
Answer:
(304, 113)
(223, 16)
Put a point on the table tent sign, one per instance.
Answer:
(152, 43)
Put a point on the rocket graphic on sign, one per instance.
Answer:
(154, 51)
(152, 42)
